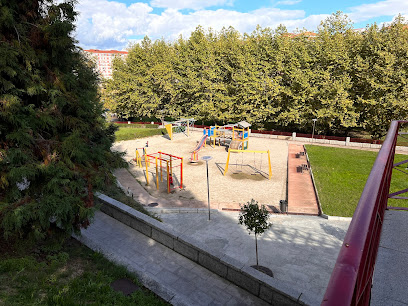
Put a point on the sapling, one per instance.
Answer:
(255, 219)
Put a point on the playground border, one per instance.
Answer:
(347, 142)
(253, 281)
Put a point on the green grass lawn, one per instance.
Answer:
(134, 131)
(67, 275)
(341, 174)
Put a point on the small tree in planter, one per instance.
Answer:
(255, 219)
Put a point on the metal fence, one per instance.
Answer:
(350, 282)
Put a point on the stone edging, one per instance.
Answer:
(335, 218)
(255, 282)
(181, 210)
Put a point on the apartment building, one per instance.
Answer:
(104, 59)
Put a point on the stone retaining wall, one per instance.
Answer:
(259, 284)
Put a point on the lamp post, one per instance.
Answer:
(314, 123)
(207, 158)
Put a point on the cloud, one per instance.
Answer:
(106, 24)
(109, 23)
(382, 8)
(189, 4)
(288, 2)
(172, 23)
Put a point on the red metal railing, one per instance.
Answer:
(350, 282)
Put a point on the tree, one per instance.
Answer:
(255, 219)
(54, 143)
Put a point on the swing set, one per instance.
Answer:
(254, 152)
(171, 162)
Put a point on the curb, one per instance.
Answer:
(182, 210)
(335, 218)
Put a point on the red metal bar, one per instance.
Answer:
(181, 174)
(350, 282)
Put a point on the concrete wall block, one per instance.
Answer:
(163, 237)
(231, 262)
(401, 148)
(142, 227)
(200, 246)
(116, 213)
(270, 295)
(266, 294)
(279, 299)
(243, 280)
(123, 217)
(107, 209)
(337, 142)
(213, 264)
(186, 250)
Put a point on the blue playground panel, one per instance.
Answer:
(209, 132)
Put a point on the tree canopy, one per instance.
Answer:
(346, 79)
(54, 142)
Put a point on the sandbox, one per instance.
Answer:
(246, 178)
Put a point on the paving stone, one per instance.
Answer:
(184, 286)
(200, 298)
(186, 274)
(219, 295)
(167, 276)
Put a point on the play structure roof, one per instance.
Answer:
(243, 124)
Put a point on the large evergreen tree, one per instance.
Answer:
(54, 143)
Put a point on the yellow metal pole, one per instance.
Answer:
(226, 165)
(138, 159)
(157, 174)
(270, 168)
(147, 170)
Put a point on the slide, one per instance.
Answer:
(194, 155)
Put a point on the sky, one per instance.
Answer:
(116, 25)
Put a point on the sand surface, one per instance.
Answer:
(246, 179)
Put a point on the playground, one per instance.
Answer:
(248, 174)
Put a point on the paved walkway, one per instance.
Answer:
(301, 193)
(300, 250)
(170, 275)
(390, 280)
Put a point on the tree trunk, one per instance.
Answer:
(256, 249)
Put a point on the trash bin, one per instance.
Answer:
(283, 206)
